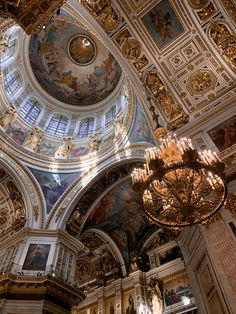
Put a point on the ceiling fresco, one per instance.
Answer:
(72, 65)
(119, 214)
(162, 24)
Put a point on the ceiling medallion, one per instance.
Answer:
(178, 185)
(82, 50)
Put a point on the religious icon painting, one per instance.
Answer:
(36, 257)
(111, 306)
(162, 24)
(129, 303)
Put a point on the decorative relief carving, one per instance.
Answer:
(207, 12)
(230, 6)
(162, 98)
(65, 148)
(201, 82)
(12, 209)
(104, 13)
(131, 49)
(225, 41)
(34, 139)
(95, 142)
(8, 117)
(198, 4)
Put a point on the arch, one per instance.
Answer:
(27, 185)
(112, 246)
(63, 208)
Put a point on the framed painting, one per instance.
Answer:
(36, 257)
(111, 306)
(129, 303)
(162, 24)
(224, 134)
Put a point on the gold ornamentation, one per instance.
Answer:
(34, 139)
(225, 41)
(82, 50)
(141, 62)
(207, 12)
(95, 142)
(201, 82)
(65, 148)
(197, 4)
(104, 13)
(179, 186)
(31, 15)
(132, 49)
(230, 7)
(231, 202)
(162, 97)
(229, 50)
(219, 32)
(8, 117)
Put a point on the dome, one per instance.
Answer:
(72, 65)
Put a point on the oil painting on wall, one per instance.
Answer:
(162, 24)
(57, 72)
(224, 134)
(17, 134)
(141, 131)
(119, 214)
(111, 306)
(47, 148)
(36, 257)
(176, 289)
(53, 185)
(129, 303)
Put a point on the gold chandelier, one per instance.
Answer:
(178, 185)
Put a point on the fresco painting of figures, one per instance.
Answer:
(224, 134)
(141, 131)
(53, 67)
(162, 24)
(53, 185)
(119, 214)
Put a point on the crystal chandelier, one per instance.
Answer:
(178, 185)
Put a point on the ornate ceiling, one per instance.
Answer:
(72, 65)
(178, 60)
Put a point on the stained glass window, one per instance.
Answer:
(86, 127)
(12, 83)
(57, 125)
(109, 117)
(9, 51)
(30, 110)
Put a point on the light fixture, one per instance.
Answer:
(178, 185)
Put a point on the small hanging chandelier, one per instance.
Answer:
(178, 185)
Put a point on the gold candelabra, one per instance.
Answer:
(178, 185)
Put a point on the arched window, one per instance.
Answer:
(86, 127)
(9, 51)
(57, 125)
(30, 110)
(12, 83)
(109, 117)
